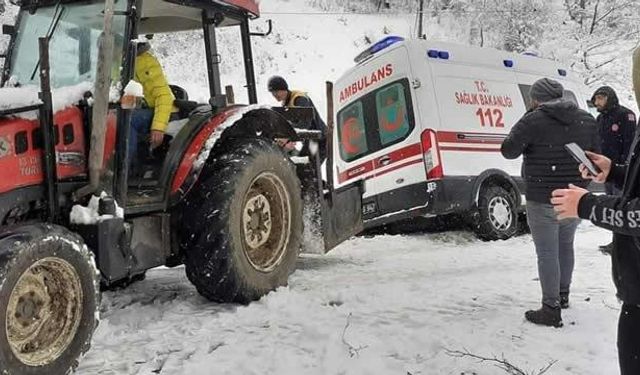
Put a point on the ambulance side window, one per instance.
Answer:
(392, 113)
(569, 95)
(351, 132)
(524, 90)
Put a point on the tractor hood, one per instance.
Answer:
(14, 98)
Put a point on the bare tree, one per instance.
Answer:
(597, 27)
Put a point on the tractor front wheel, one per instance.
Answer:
(245, 227)
(49, 296)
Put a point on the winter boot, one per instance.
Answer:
(564, 300)
(546, 316)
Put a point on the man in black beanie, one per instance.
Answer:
(540, 136)
(279, 88)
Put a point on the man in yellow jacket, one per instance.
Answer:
(150, 122)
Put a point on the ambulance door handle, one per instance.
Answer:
(385, 160)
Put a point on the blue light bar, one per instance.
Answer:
(432, 53)
(386, 42)
(562, 72)
(508, 63)
(443, 55)
(377, 47)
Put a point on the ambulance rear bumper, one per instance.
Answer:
(425, 199)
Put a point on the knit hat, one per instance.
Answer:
(277, 83)
(545, 89)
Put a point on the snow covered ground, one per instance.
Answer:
(404, 300)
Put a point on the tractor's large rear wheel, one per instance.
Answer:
(48, 301)
(245, 227)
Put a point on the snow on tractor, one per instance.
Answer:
(219, 196)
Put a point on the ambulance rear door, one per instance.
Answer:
(377, 135)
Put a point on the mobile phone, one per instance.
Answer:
(581, 157)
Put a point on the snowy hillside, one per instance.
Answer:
(306, 49)
(311, 45)
(316, 40)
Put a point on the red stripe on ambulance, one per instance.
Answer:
(447, 141)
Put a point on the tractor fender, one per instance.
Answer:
(21, 232)
(231, 123)
(497, 177)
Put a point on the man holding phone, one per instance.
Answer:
(540, 136)
(621, 215)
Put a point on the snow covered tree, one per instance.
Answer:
(521, 23)
(512, 25)
(597, 27)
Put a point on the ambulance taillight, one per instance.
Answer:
(431, 155)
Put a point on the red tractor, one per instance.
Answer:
(219, 195)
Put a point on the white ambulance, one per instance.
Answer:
(420, 124)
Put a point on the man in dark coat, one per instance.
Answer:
(540, 136)
(279, 88)
(617, 128)
(621, 215)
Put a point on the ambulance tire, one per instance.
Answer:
(49, 300)
(246, 225)
(496, 218)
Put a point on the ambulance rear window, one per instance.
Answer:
(375, 121)
(393, 121)
(351, 132)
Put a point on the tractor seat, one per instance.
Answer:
(179, 93)
(182, 102)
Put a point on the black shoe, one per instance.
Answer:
(606, 249)
(564, 300)
(546, 316)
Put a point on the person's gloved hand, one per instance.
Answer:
(157, 137)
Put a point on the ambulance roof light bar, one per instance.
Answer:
(435, 54)
(377, 47)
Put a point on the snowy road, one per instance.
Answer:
(405, 299)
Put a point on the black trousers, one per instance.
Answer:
(629, 340)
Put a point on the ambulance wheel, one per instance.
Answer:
(246, 228)
(496, 218)
(49, 296)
